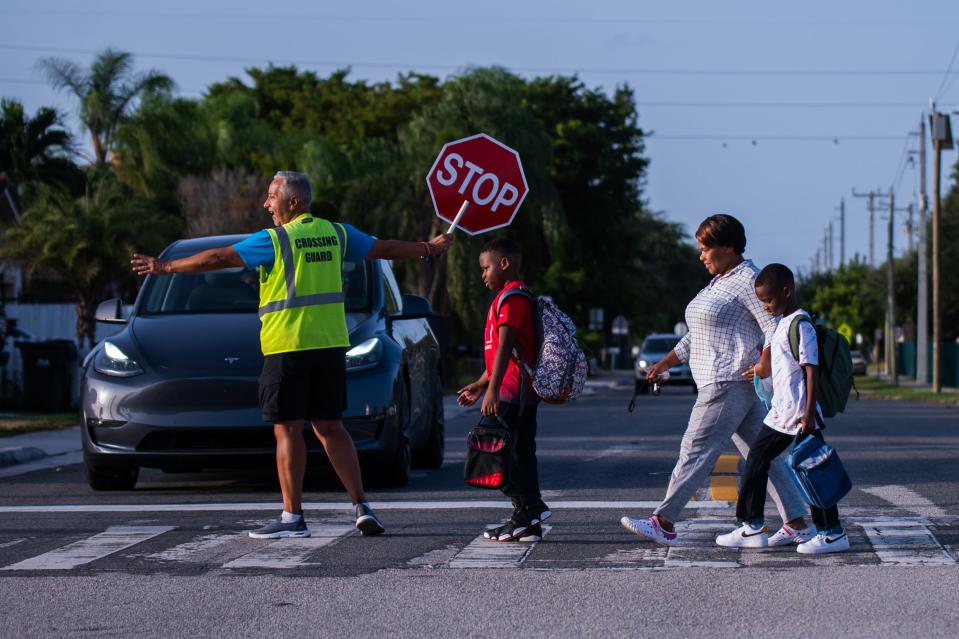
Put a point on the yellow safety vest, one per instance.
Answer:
(301, 297)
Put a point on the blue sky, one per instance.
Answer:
(704, 125)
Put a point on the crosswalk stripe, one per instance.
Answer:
(188, 550)
(452, 504)
(483, 553)
(112, 540)
(905, 543)
(293, 552)
(12, 542)
(697, 545)
(906, 499)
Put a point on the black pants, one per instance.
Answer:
(524, 472)
(752, 493)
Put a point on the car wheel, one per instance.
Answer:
(432, 454)
(110, 478)
(397, 474)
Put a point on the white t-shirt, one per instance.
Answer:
(789, 380)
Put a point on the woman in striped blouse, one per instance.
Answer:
(726, 324)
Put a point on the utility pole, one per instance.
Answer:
(909, 228)
(891, 296)
(922, 297)
(941, 139)
(872, 220)
(825, 251)
(831, 254)
(842, 231)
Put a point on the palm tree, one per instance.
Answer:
(36, 149)
(106, 92)
(86, 241)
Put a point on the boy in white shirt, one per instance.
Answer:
(793, 415)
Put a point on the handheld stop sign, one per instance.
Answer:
(477, 184)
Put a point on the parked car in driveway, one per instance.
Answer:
(655, 347)
(176, 389)
(858, 363)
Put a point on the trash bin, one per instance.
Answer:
(48, 370)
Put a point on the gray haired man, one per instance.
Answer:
(303, 335)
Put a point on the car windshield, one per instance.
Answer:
(659, 344)
(236, 290)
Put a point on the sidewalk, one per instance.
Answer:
(31, 447)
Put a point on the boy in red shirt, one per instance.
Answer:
(508, 396)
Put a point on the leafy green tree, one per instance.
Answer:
(105, 92)
(35, 150)
(854, 294)
(86, 241)
(163, 140)
(949, 256)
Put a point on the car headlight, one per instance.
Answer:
(643, 363)
(110, 360)
(364, 355)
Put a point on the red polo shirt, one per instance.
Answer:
(516, 311)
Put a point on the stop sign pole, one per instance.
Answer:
(459, 216)
(477, 184)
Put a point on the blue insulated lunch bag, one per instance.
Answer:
(818, 472)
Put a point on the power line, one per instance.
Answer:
(784, 105)
(478, 18)
(945, 76)
(836, 139)
(535, 69)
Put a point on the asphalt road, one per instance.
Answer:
(172, 559)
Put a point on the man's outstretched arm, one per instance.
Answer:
(208, 260)
(399, 250)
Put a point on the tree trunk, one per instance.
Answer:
(86, 324)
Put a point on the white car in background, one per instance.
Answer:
(655, 347)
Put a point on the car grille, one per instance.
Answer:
(220, 439)
(244, 439)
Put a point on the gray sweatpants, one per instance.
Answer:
(724, 410)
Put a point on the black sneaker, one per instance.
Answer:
(513, 529)
(533, 534)
(366, 521)
(277, 529)
(539, 511)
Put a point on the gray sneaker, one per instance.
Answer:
(366, 521)
(277, 529)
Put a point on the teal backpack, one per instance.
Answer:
(835, 365)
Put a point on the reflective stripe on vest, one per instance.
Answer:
(303, 309)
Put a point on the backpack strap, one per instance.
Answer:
(794, 333)
(524, 371)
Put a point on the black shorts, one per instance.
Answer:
(304, 385)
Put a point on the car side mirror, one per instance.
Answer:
(110, 312)
(414, 307)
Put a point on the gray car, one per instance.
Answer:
(176, 389)
(655, 347)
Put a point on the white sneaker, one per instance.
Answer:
(745, 537)
(788, 535)
(823, 543)
(650, 529)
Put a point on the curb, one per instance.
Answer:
(21, 455)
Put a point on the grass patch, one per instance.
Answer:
(19, 423)
(873, 388)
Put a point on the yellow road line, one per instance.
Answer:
(727, 464)
(725, 487)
